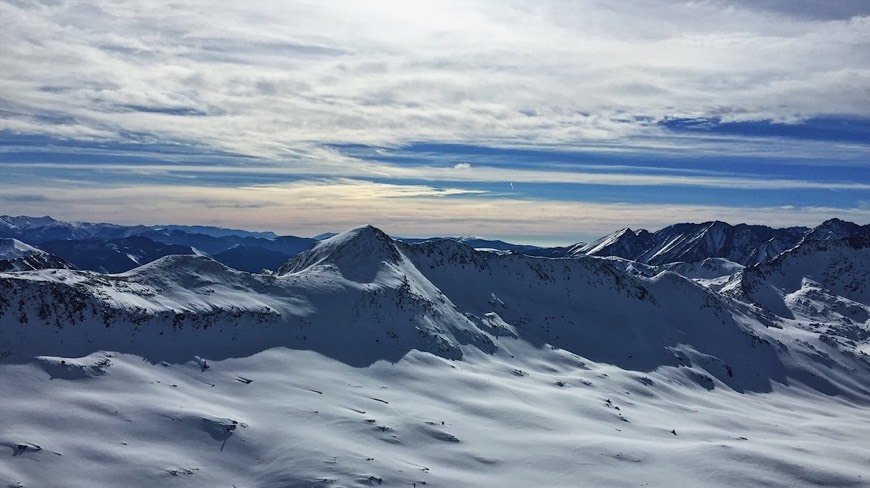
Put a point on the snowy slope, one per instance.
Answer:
(110, 248)
(712, 273)
(840, 267)
(352, 290)
(522, 417)
(708, 269)
(835, 229)
(571, 304)
(624, 243)
(366, 361)
(816, 295)
(112, 255)
(14, 249)
(18, 256)
(40, 229)
(688, 242)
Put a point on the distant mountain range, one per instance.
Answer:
(691, 243)
(111, 248)
(18, 256)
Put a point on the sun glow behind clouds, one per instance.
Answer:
(647, 105)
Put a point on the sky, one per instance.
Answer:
(531, 121)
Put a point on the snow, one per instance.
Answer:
(369, 362)
(306, 420)
(13, 249)
(689, 242)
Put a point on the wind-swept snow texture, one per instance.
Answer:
(370, 362)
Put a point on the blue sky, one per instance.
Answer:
(543, 122)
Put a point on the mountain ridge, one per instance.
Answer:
(363, 287)
(689, 242)
(371, 361)
(256, 251)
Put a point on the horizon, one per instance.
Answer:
(529, 122)
(335, 232)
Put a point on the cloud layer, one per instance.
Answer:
(274, 78)
(278, 88)
(313, 207)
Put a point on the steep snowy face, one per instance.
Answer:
(744, 244)
(13, 248)
(624, 243)
(687, 242)
(840, 267)
(357, 300)
(18, 256)
(593, 309)
(363, 283)
(816, 295)
(358, 254)
(835, 229)
(361, 297)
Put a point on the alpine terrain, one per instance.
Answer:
(698, 355)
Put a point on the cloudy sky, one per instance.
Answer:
(534, 121)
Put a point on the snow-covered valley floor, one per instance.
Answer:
(520, 417)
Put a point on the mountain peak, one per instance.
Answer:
(835, 229)
(624, 243)
(181, 263)
(357, 253)
(13, 248)
(364, 231)
(18, 256)
(365, 236)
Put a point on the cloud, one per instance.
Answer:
(312, 207)
(812, 9)
(272, 78)
(355, 190)
(488, 174)
(134, 98)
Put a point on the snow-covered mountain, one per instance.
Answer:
(355, 288)
(818, 279)
(362, 287)
(37, 230)
(370, 361)
(494, 245)
(110, 248)
(41, 229)
(18, 256)
(712, 273)
(835, 229)
(624, 243)
(214, 231)
(112, 255)
(743, 244)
